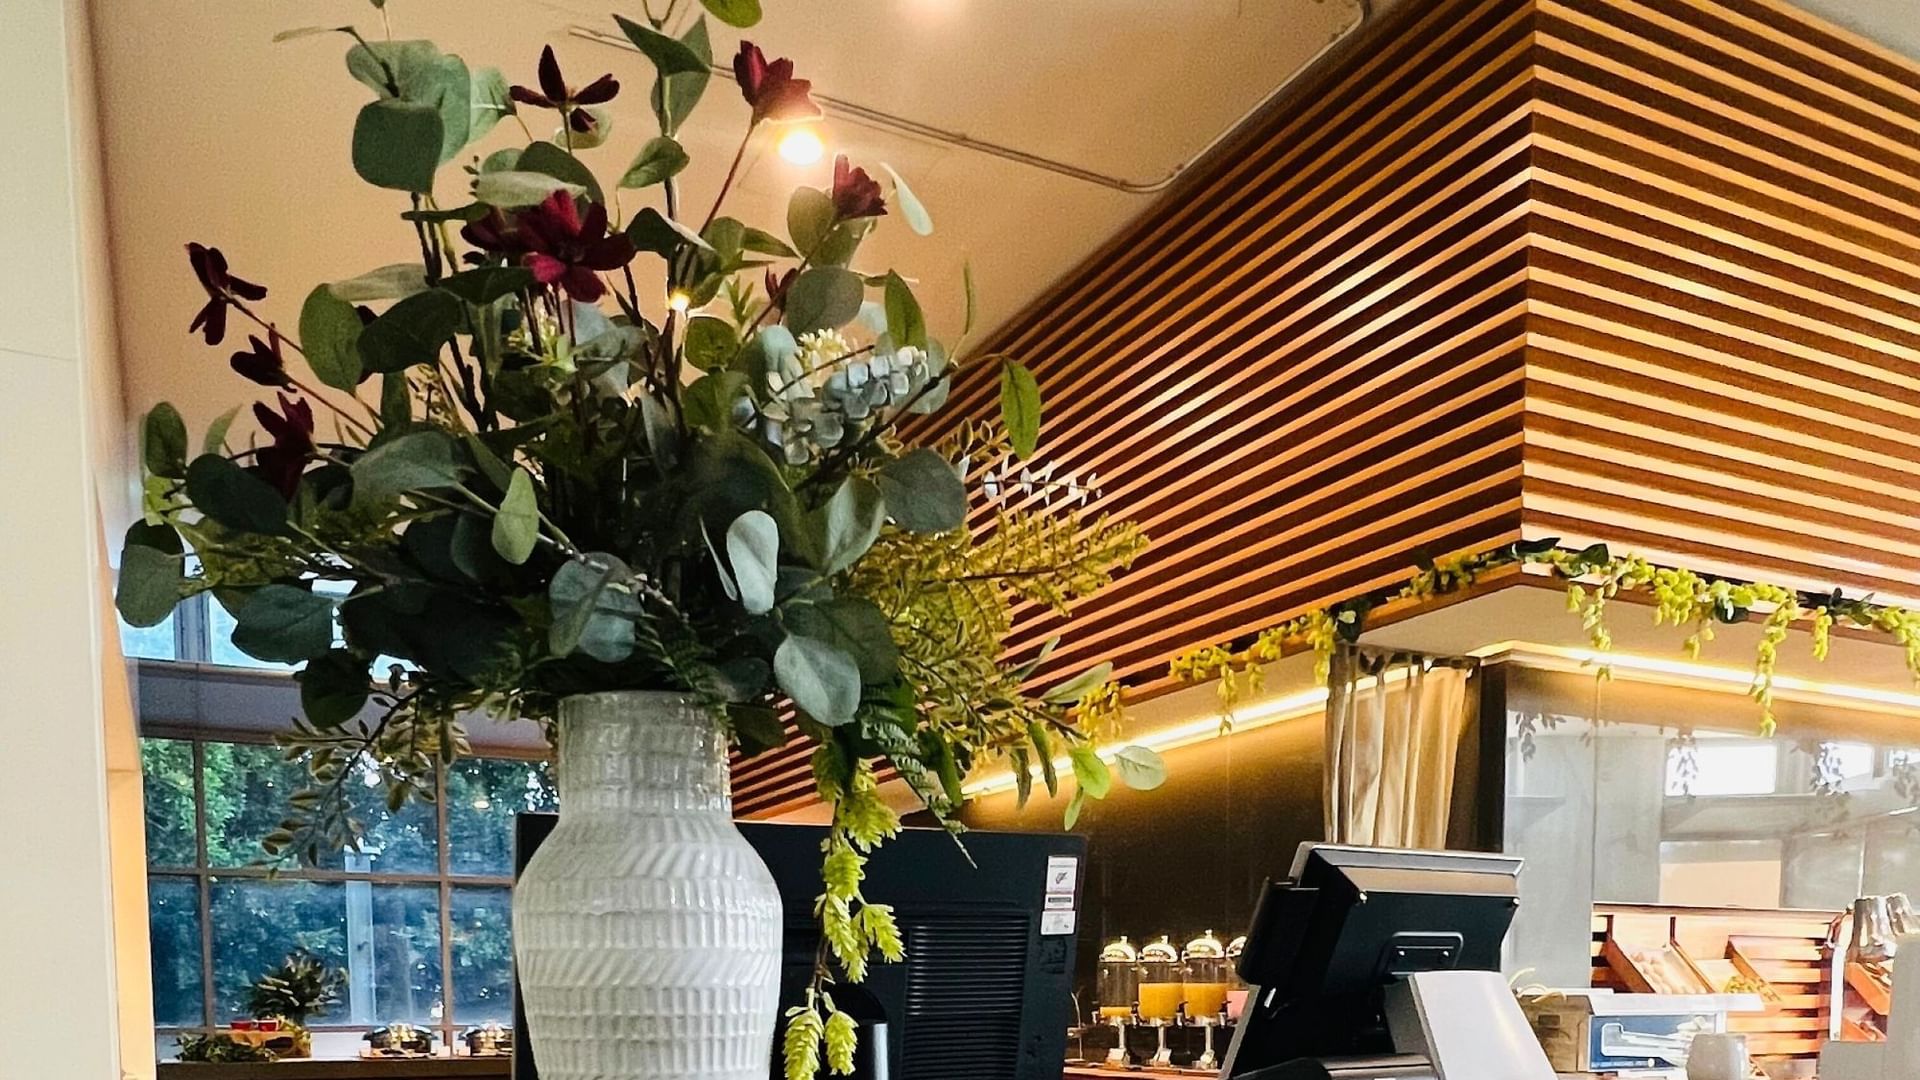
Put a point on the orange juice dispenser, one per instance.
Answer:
(1162, 989)
(1204, 984)
(1237, 987)
(1118, 986)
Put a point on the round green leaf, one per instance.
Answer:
(669, 56)
(710, 343)
(740, 13)
(410, 332)
(509, 188)
(516, 528)
(923, 492)
(1089, 771)
(333, 688)
(330, 334)
(152, 574)
(395, 282)
(809, 218)
(396, 144)
(659, 160)
(284, 624)
(823, 298)
(753, 550)
(420, 460)
(235, 497)
(905, 323)
(855, 626)
(854, 517)
(1140, 768)
(163, 442)
(823, 681)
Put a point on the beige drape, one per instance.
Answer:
(1394, 727)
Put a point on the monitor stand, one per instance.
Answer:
(1467, 1024)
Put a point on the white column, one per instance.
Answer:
(59, 1013)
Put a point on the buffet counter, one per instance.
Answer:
(432, 1068)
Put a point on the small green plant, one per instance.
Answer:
(301, 988)
(221, 1048)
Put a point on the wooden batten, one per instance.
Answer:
(1641, 271)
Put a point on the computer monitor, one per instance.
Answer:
(986, 988)
(1349, 923)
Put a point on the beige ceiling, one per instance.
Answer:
(214, 133)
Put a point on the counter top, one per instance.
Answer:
(438, 1068)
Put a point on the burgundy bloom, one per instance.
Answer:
(262, 363)
(565, 249)
(292, 430)
(777, 287)
(770, 88)
(554, 93)
(222, 287)
(855, 194)
(494, 233)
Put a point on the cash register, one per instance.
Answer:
(1381, 964)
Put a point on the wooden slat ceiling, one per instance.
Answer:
(1644, 271)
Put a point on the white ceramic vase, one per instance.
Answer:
(646, 929)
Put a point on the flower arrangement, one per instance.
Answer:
(580, 446)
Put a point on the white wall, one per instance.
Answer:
(58, 422)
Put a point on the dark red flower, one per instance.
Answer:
(554, 93)
(855, 194)
(494, 233)
(222, 288)
(292, 431)
(564, 248)
(777, 287)
(262, 362)
(770, 88)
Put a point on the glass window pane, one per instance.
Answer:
(247, 790)
(385, 937)
(166, 766)
(173, 920)
(149, 642)
(483, 795)
(482, 954)
(220, 647)
(256, 923)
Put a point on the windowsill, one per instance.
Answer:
(434, 1068)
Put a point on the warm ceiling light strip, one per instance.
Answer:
(1669, 671)
(1186, 733)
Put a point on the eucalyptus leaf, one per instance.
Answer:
(416, 461)
(410, 332)
(1140, 768)
(483, 285)
(330, 333)
(1020, 407)
(163, 442)
(756, 728)
(516, 528)
(394, 282)
(215, 441)
(333, 688)
(1080, 685)
(549, 158)
(854, 517)
(396, 144)
(753, 550)
(284, 624)
(589, 613)
(822, 680)
(510, 188)
(908, 204)
(674, 96)
(152, 574)
(396, 400)
(487, 102)
(906, 325)
(762, 242)
(653, 231)
(1089, 771)
(855, 626)
(234, 497)
(659, 160)
(709, 343)
(810, 217)
(669, 56)
(740, 13)
(708, 403)
(823, 298)
(923, 492)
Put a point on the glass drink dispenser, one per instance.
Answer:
(1205, 978)
(1161, 991)
(1118, 981)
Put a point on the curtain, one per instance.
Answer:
(1395, 722)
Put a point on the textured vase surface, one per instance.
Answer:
(646, 929)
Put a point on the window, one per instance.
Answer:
(418, 918)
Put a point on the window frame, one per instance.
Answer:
(444, 878)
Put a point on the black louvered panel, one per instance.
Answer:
(965, 985)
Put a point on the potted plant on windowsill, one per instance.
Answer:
(641, 481)
(301, 988)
